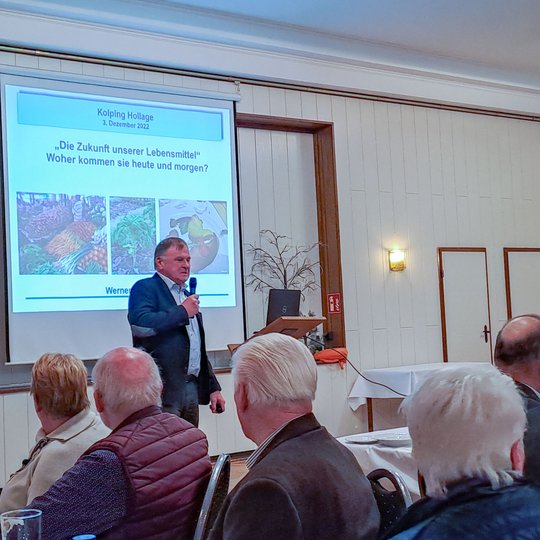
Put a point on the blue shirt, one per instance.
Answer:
(91, 497)
(192, 328)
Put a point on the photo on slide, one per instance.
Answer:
(203, 225)
(133, 235)
(61, 234)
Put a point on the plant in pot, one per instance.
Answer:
(278, 264)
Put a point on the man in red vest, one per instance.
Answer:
(147, 478)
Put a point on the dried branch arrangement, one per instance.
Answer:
(279, 265)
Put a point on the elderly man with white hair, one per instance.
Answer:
(301, 484)
(146, 479)
(466, 425)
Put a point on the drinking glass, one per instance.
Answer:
(21, 524)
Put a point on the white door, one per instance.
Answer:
(465, 305)
(522, 271)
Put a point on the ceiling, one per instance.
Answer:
(493, 40)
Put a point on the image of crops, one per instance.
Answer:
(61, 234)
(203, 225)
(133, 235)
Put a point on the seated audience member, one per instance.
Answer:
(146, 479)
(302, 483)
(466, 425)
(517, 354)
(68, 428)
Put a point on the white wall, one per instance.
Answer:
(419, 177)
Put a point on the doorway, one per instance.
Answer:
(464, 300)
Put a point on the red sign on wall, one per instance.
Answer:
(334, 303)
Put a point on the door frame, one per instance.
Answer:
(327, 208)
(440, 252)
(506, 253)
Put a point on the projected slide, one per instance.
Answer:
(94, 182)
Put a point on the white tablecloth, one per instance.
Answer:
(399, 381)
(377, 456)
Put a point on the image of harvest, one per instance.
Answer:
(133, 235)
(61, 234)
(203, 225)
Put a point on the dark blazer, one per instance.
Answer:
(531, 440)
(305, 485)
(158, 325)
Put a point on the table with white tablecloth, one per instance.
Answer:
(391, 382)
(378, 456)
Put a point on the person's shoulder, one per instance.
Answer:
(146, 282)
(147, 285)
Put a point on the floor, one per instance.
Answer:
(238, 468)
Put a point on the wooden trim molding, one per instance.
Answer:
(23, 388)
(327, 209)
(506, 253)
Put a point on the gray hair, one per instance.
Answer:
(463, 422)
(127, 379)
(275, 368)
(168, 243)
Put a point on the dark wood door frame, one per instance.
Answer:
(327, 208)
(440, 252)
(506, 252)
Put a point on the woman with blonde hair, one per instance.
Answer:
(68, 428)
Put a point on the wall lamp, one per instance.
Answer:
(397, 260)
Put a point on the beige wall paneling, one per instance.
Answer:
(363, 300)
(4, 475)
(448, 175)
(17, 441)
(392, 282)
(309, 106)
(249, 214)
(329, 409)
(324, 107)
(293, 103)
(223, 431)
(416, 269)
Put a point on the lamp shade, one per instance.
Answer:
(397, 260)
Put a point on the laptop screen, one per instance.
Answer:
(282, 303)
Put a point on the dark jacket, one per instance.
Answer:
(531, 441)
(158, 326)
(474, 510)
(305, 485)
(166, 462)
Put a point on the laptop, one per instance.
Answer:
(282, 303)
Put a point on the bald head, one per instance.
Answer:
(127, 380)
(517, 349)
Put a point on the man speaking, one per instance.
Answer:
(166, 322)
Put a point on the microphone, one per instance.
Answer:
(192, 285)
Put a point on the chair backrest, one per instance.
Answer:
(392, 504)
(215, 495)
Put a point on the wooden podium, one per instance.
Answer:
(296, 327)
